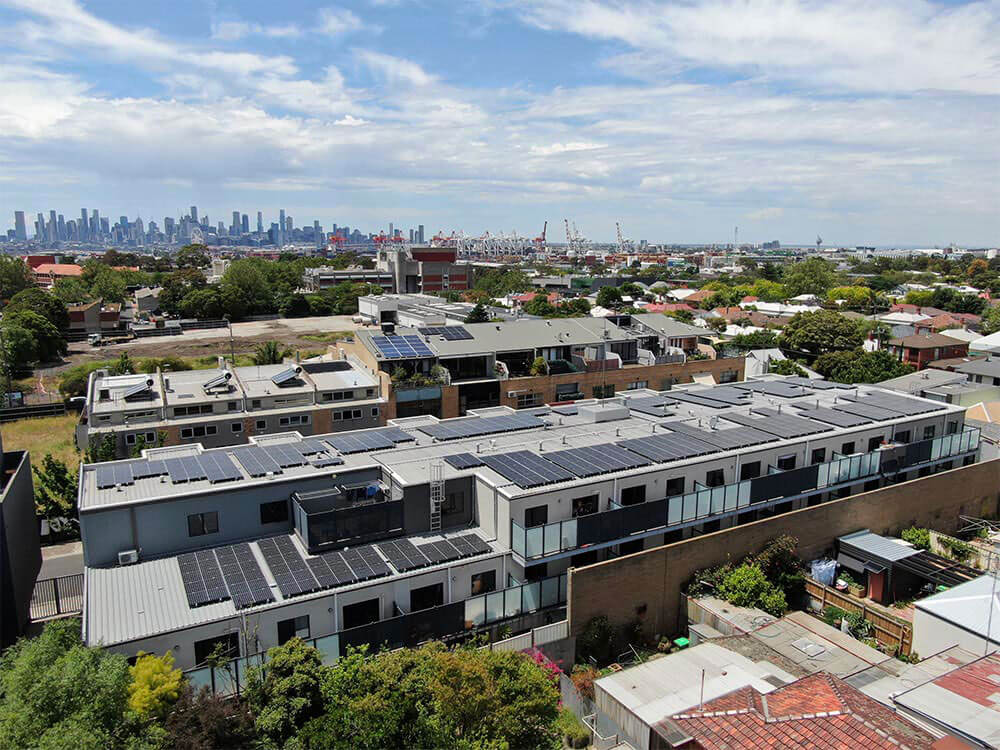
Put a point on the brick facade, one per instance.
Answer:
(647, 585)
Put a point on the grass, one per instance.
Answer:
(42, 435)
(327, 336)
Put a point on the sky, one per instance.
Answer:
(863, 121)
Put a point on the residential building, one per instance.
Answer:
(85, 317)
(147, 299)
(959, 616)
(227, 406)
(47, 274)
(921, 349)
(492, 364)
(20, 549)
(433, 528)
(944, 385)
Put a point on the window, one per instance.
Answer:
(786, 463)
(295, 419)
(537, 516)
(327, 396)
(929, 432)
(675, 486)
(636, 385)
(261, 424)
(426, 597)
(227, 646)
(200, 524)
(847, 448)
(374, 411)
(952, 427)
(236, 427)
(604, 391)
(370, 393)
(274, 512)
(189, 411)
(715, 478)
(197, 432)
(630, 548)
(234, 405)
(483, 583)
(255, 404)
(728, 376)
(526, 400)
(634, 495)
(296, 627)
(104, 395)
(148, 437)
(902, 436)
(818, 455)
(584, 506)
(361, 613)
(750, 470)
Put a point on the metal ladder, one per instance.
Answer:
(437, 495)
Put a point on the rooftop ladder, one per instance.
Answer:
(437, 495)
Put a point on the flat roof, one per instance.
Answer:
(969, 606)
(882, 547)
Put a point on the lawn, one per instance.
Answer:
(43, 435)
(327, 336)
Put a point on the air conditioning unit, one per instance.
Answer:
(128, 557)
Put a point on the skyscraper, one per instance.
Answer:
(235, 228)
(40, 227)
(246, 224)
(260, 222)
(95, 224)
(84, 225)
(61, 228)
(194, 214)
(281, 228)
(20, 230)
(420, 234)
(391, 230)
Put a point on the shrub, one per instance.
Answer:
(573, 730)
(956, 548)
(583, 676)
(918, 537)
(175, 364)
(539, 366)
(746, 586)
(156, 685)
(832, 615)
(597, 640)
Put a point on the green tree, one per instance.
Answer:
(156, 685)
(55, 488)
(857, 366)
(49, 343)
(288, 693)
(294, 306)
(917, 536)
(177, 285)
(270, 353)
(109, 285)
(245, 289)
(991, 320)
(58, 693)
(71, 291)
(785, 367)
(203, 303)
(539, 366)
(192, 256)
(852, 297)
(821, 331)
(609, 297)
(478, 314)
(102, 448)
(19, 349)
(813, 275)
(124, 365)
(41, 302)
(754, 340)
(14, 276)
(718, 324)
(685, 316)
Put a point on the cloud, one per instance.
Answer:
(394, 70)
(231, 31)
(562, 148)
(335, 21)
(764, 214)
(351, 122)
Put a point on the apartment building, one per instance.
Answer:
(226, 406)
(431, 528)
(492, 364)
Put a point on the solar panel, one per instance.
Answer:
(592, 460)
(138, 388)
(321, 460)
(309, 447)
(439, 552)
(527, 469)
(653, 405)
(184, 469)
(470, 544)
(202, 579)
(401, 347)
(286, 376)
(359, 442)
(256, 461)
(900, 404)
(466, 427)
(738, 437)
(829, 416)
(778, 423)
(819, 385)
(219, 467)
(779, 388)
(567, 411)
(451, 333)
(464, 460)
(148, 468)
(287, 566)
(221, 379)
(727, 395)
(113, 475)
(285, 455)
(403, 555)
(673, 447)
(697, 400)
(395, 434)
(243, 576)
(875, 413)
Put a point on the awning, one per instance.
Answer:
(850, 563)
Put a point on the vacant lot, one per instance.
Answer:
(43, 435)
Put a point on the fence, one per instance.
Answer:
(890, 631)
(57, 597)
(52, 409)
(536, 637)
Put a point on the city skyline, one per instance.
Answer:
(679, 121)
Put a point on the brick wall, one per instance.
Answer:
(648, 584)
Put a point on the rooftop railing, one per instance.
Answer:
(704, 503)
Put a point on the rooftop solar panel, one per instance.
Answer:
(457, 429)
(673, 447)
(286, 376)
(256, 461)
(870, 411)
(819, 385)
(464, 460)
(112, 475)
(527, 469)
(202, 579)
(653, 405)
(830, 416)
(403, 555)
(779, 388)
(470, 545)
(697, 399)
(309, 447)
(451, 333)
(738, 437)
(782, 424)
(135, 390)
(401, 347)
(218, 467)
(596, 459)
(287, 566)
(900, 404)
(243, 576)
(184, 469)
(322, 460)
(568, 410)
(285, 455)
(143, 469)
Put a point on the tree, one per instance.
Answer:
(754, 340)
(294, 306)
(192, 256)
(991, 320)
(49, 343)
(746, 586)
(478, 314)
(245, 289)
(42, 302)
(917, 536)
(102, 448)
(71, 291)
(785, 367)
(202, 720)
(853, 297)
(270, 353)
(718, 324)
(14, 276)
(539, 367)
(124, 365)
(156, 685)
(821, 331)
(55, 488)
(288, 693)
(810, 276)
(203, 303)
(609, 297)
(58, 693)
(177, 285)
(858, 366)
(109, 285)
(19, 349)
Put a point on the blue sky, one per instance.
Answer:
(864, 122)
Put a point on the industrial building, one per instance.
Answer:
(227, 405)
(432, 528)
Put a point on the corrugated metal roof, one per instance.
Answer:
(866, 542)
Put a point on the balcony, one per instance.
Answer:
(619, 523)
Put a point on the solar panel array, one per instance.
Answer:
(287, 566)
(697, 399)
(456, 548)
(457, 429)
(527, 469)
(218, 467)
(778, 423)
(653, 405)
(568, 410)
(143, 469)
(112, 475)
(867, 410)
(401, 347)
(900, 404)
(243, 576)
(673, 447)
(185, 469)
(819, 385)
(464, 460)
(216, 575)
(596, 459)
(350, 566)
(403, 555)
(739, 437)
(286, 454)
(451, 333)
(832, 416)
(256, 461)
(369, 440)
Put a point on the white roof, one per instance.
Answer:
(962, 334)
(989, 343)
(968, 606)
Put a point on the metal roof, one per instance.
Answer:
(884, 548)
(968, 606)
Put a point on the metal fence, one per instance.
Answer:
(57, 597)
(52, 409)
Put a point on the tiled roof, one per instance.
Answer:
(927, 341)
(59, 269)
(819, 711)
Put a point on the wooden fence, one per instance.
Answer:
(894, 632)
